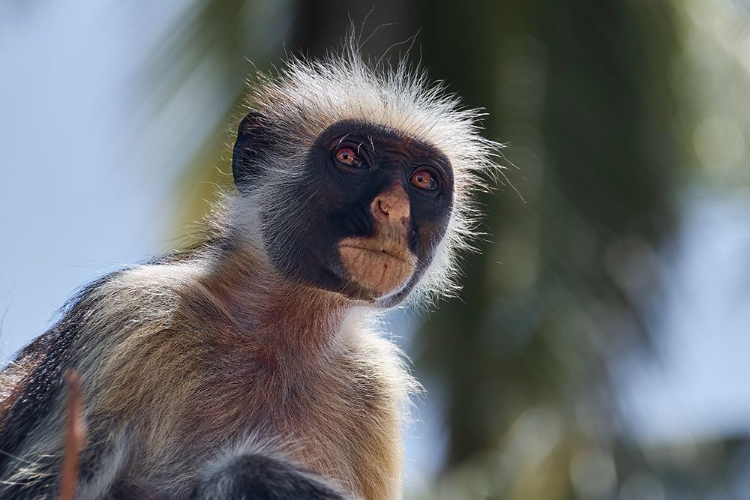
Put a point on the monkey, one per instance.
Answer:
(253, 364)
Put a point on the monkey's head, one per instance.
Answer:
(358, 177)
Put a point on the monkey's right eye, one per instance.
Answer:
(348, 157)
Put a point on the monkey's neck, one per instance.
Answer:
(286, 316)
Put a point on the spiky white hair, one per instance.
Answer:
(306, 96)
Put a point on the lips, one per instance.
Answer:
(383, 252)
(381, 266)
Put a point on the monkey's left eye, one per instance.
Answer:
(348, 157)
(424, 179)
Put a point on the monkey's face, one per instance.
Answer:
(365, 217)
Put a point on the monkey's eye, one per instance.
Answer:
(424, 179)
(348, 156)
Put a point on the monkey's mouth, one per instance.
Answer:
(381, 266)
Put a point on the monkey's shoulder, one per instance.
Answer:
(32, 383)
(106, 314)
(138, 304)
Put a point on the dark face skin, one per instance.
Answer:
(352, 170)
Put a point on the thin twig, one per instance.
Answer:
(75, 438)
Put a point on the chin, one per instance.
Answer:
(375, 272)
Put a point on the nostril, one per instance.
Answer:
(384, 207)
(391, 206)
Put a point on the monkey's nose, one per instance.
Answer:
(391, 206)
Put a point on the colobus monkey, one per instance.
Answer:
(249, 367)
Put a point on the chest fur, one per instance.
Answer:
(340, 419)
(350, 432)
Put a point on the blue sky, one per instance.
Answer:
(78, 194)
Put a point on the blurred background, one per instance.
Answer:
(599, 348)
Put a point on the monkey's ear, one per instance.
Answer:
(253, 139)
